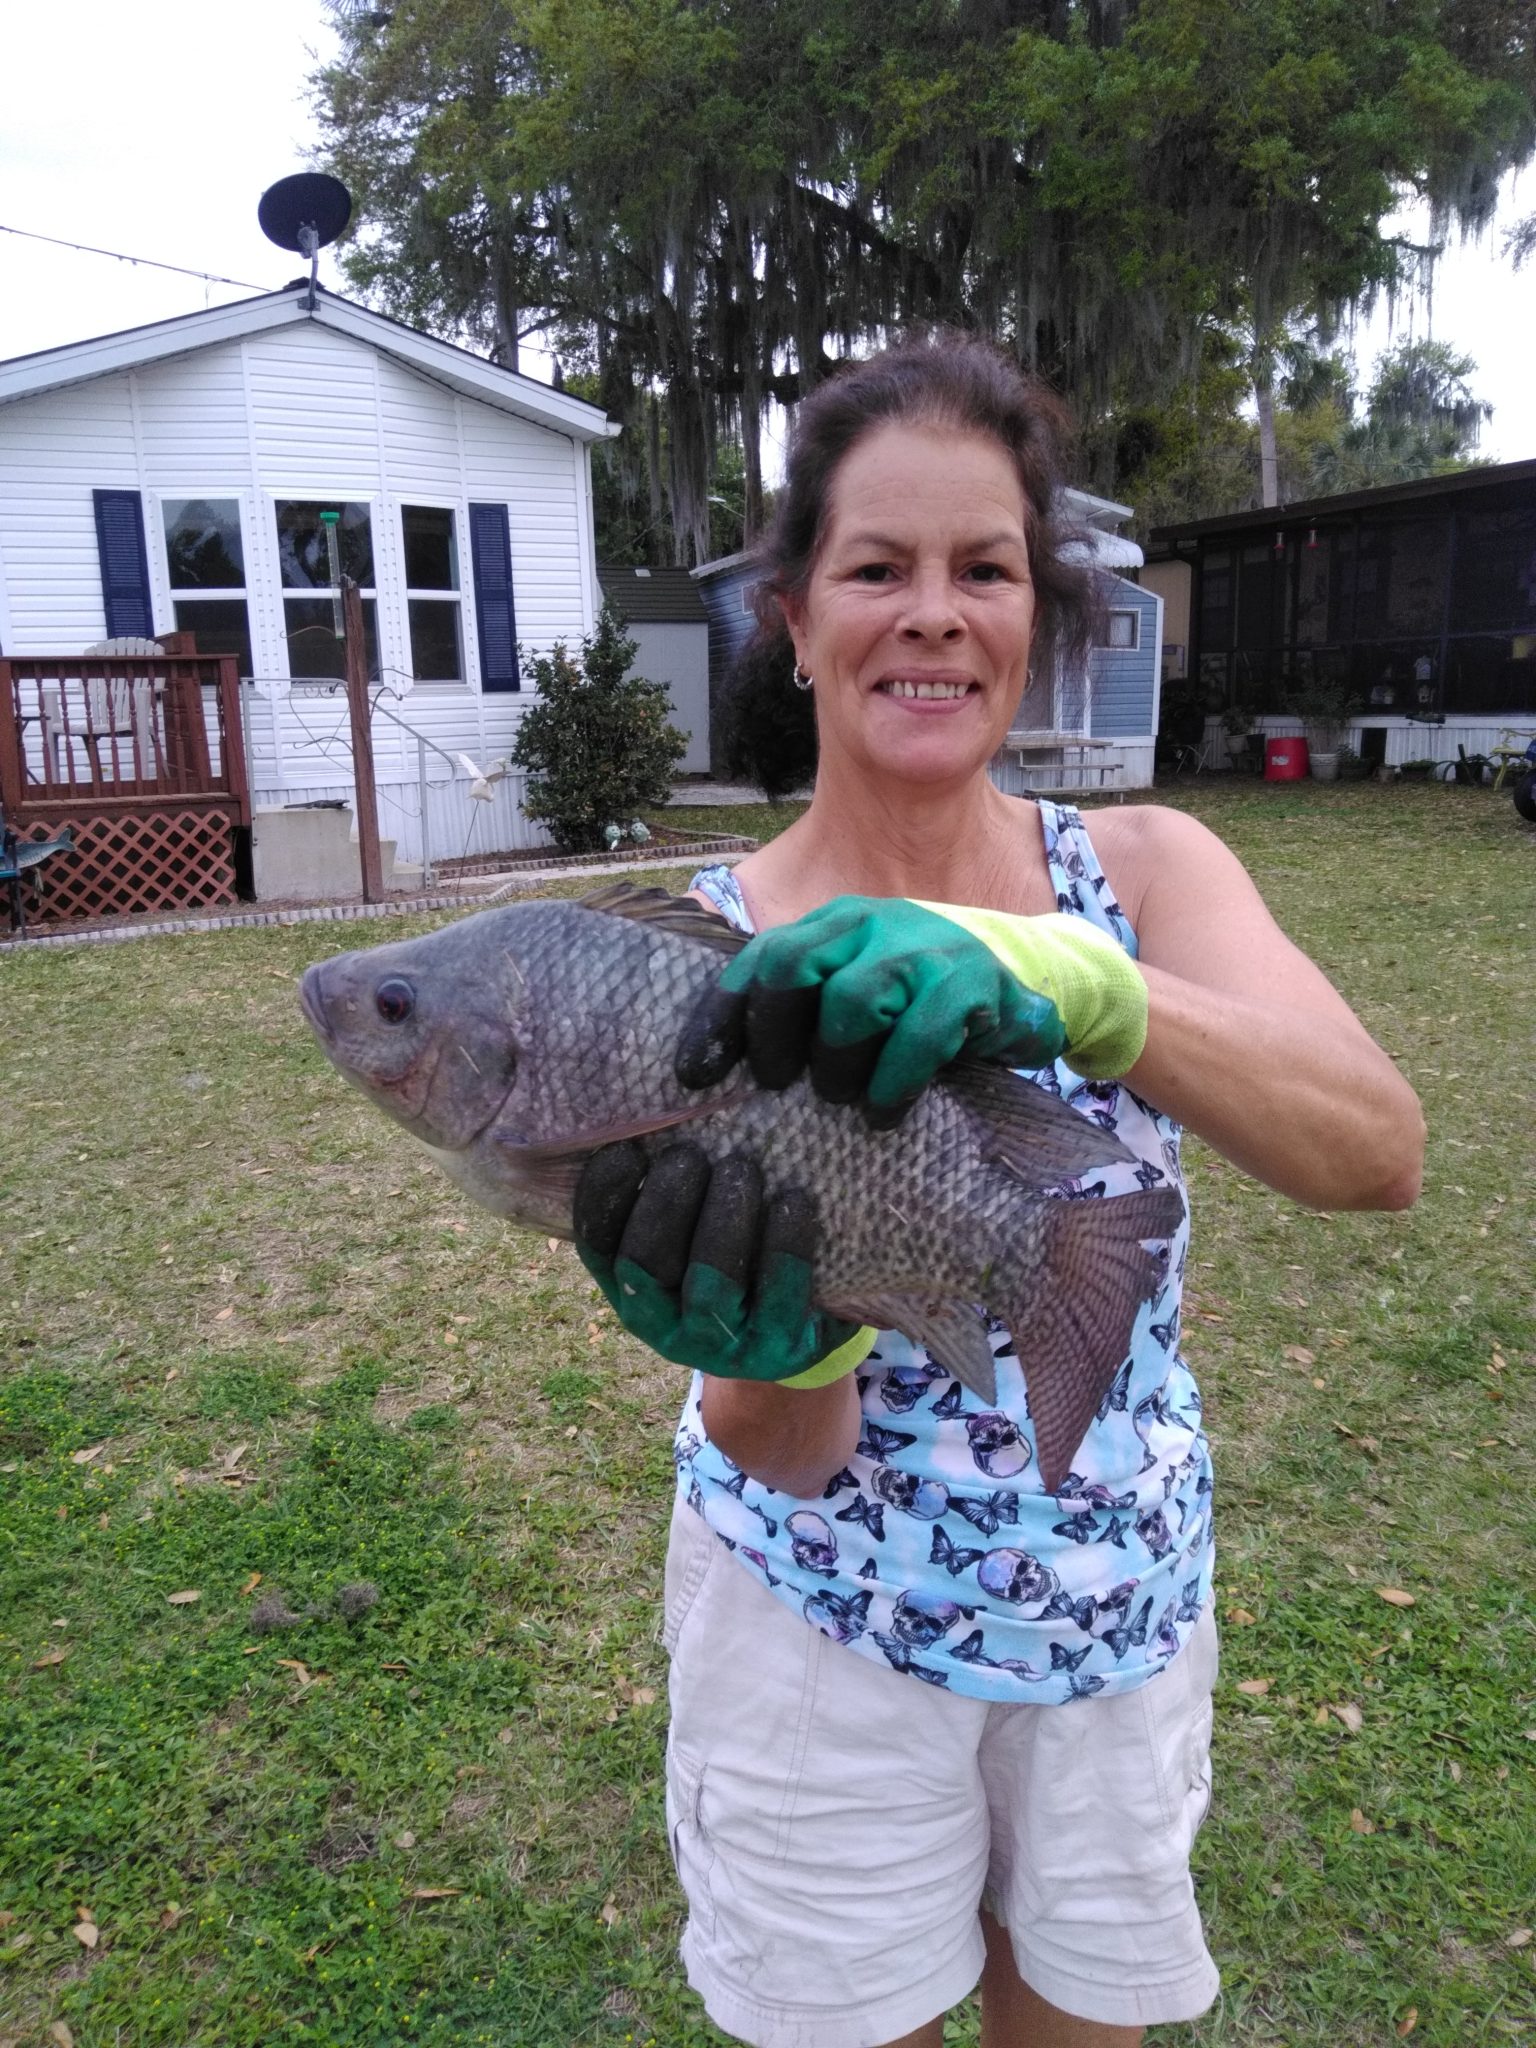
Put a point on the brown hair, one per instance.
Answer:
(948, 380)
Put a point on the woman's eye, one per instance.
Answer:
(872, 572)
(986, 572)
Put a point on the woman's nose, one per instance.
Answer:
(931, 612)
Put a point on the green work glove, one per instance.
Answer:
(695, 1263)
(875, 995)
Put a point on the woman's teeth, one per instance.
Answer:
(905, 689)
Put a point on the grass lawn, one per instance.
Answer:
(331, 1519)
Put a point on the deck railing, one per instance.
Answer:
(120, 732)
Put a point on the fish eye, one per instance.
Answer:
(395, 1000)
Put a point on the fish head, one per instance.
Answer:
(428, 1029)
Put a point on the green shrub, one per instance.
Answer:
(596, 742)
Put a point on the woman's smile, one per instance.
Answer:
(928, 693)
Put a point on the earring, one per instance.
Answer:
(802, 680)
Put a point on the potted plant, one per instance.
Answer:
(1325, 710)
(1245, 739)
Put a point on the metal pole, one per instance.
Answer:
(421, 780)
(362, 745)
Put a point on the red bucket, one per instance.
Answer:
(1285, 760)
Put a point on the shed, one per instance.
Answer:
(172, 478)
(665, 617)
(1116, 700)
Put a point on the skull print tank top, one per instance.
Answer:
(936, 1549)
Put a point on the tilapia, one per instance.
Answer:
(515, 1043)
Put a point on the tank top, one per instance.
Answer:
(936, 1550)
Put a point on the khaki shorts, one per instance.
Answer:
(837, 1825)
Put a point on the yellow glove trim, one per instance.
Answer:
(1099, 995)
(837, 1365)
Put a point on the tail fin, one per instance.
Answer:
(1074, 1326)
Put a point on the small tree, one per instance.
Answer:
(595, 742)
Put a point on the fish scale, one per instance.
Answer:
(564, 1018)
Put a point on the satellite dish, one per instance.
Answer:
(305, 212)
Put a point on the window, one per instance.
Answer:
(1216, 601)
(315, 648)
(205, 560)
(1123, 629)
(432, 594)
(1494, 586)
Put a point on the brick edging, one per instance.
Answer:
(348, 913)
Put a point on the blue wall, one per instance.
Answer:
(1125, 678)
(731, 626)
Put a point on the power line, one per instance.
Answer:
(148, 262)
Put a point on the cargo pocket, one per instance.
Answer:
(691, 1549)
(692, 1856)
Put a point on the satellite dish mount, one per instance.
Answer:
(305, 213)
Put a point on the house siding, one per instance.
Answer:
(302, 411)
(1124, 693)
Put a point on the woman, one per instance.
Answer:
(931, 1722)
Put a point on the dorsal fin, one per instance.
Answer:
(683, 915)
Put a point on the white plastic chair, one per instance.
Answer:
(124, 705)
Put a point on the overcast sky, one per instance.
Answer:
(153, 126)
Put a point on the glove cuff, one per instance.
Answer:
(837, 1365)
(1098, 991)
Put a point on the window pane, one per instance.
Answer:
(1258, 589)
(314, 652)
(435, 654)
(221, 626)
(301, 546)
(1492, 674)
(202, 544)
(1216, 603)
(431, 558)
(1495, 577)
(1122, 629)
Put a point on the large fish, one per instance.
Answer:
(515, 1043)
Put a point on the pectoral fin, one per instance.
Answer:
(549, 1167)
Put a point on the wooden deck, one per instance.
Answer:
(144, 755)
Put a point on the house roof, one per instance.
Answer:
(1460, 481)
(456, 368)
(1102, 513)
(743, 558)
(653, 596)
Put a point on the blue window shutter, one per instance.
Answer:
(490, 550)
(124, 565)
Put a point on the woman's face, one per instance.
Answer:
(917, 620)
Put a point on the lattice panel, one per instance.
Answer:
(145, 860)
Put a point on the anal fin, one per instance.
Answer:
(950, 1331)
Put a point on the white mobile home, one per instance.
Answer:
(184, 477)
